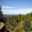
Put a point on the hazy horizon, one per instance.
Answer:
(16, 6)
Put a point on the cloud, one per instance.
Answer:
(7, 7)
(25, 11)
(8, 10)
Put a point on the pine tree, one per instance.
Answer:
(1, 16)
(31, 14)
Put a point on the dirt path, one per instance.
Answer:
(19, 26)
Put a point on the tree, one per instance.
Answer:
(19, 18)
(2, 19)
(31, 14)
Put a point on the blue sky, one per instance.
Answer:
(16, 6)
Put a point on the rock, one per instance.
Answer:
(7, 30)
(2, 27)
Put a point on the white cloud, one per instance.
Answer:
(6, 10)
(7, 7)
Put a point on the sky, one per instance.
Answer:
(16, 6)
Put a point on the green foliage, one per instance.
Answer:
(27, 24)
(8, 25)
(2, 19)
(19, 18)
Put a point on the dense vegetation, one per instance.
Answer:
(2, 19)
(15, 21)
(18, 23)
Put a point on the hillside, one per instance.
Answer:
(16, 21)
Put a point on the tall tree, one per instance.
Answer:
(2, 19)
(31, 14)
